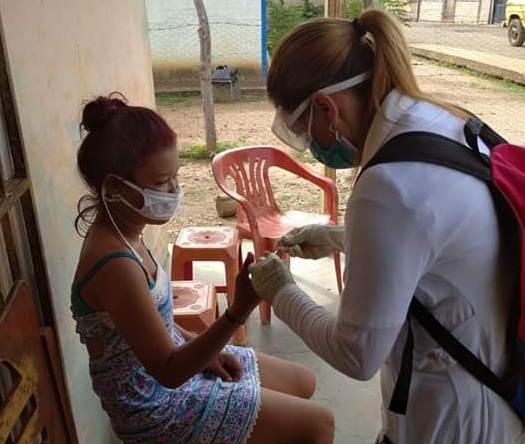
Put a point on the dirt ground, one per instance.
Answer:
(248, 123)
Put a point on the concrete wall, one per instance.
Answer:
(60, 53)
(466, 12)
(235, 28)
(471, 11)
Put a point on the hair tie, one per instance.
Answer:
(360, 31)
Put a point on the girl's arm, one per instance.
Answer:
(128, 302)
(188, 335)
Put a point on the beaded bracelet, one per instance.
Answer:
(230, 318)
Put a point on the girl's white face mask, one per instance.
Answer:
(158, 206)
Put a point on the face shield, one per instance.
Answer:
(286, 127)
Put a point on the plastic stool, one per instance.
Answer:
(194, 304)
(219, 244)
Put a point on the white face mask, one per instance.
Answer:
(158, 206)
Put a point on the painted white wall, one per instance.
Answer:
(235, 28)
(465, 11)
(61, 52)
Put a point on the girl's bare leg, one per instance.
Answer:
(286, 376)
(285, 418)
(287, 415)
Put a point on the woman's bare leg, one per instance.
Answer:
(286, 376)
(285, 418)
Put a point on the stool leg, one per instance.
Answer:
(181, 270)
(240, 336)
(188, 270)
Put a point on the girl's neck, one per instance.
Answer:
(130, 230)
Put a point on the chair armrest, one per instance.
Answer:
(245, 204)
(327, 185)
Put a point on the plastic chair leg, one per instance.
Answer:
(338, 273)
(265, 311)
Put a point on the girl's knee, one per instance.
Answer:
(307, 382)
(322, 428)
(329, 422)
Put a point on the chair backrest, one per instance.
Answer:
(31, 390)
(247, 168)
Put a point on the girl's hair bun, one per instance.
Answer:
(100, 111)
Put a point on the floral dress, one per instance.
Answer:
(205, 409)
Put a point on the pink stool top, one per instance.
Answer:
(207, 237)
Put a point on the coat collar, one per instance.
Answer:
(394, 107)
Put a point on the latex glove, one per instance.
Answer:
(313, 241)
(269, 275)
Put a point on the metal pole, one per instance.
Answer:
(264, 41)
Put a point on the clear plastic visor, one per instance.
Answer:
(292, 133)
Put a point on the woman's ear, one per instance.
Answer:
(325, 108)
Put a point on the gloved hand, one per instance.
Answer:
(313, 241)
(269, 275)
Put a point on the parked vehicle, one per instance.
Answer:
(514, 19)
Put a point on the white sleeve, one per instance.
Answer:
(387, 253)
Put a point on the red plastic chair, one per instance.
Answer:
(242, 173)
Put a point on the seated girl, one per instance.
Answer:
(158, 382)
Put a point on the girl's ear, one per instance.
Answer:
(112, 185)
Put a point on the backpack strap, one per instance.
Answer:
(457, 350)
(475, 128)
(420, 146)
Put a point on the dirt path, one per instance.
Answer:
(248, 123)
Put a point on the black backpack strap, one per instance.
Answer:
(419, 146)
(458, 351)
(475, 128)
(398, 402)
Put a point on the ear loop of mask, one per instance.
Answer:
(115, 226)
(332, 128)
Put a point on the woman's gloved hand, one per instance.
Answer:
(269, 275)
(313, 241)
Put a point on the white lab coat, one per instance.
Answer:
(415, 228)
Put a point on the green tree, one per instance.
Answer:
(282, 18)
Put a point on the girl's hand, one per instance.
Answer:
(226, 366)
(245, 299)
